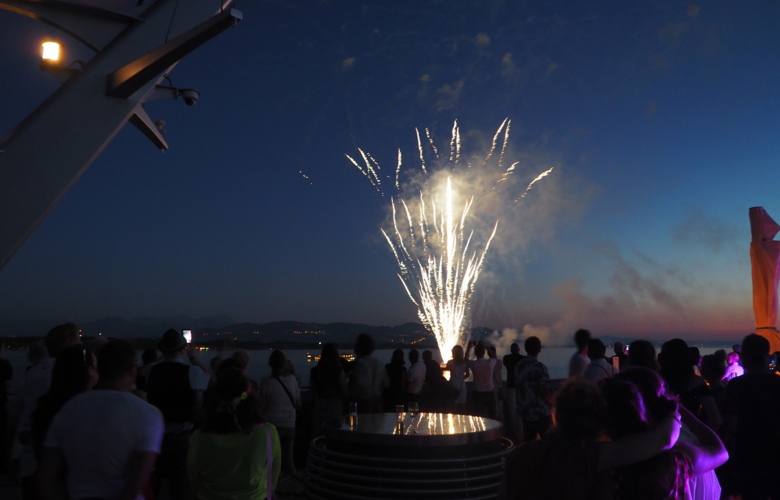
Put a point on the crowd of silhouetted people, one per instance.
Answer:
(93, 423)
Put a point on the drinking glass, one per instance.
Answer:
(353, 414)
(399, 412)
(414, 407)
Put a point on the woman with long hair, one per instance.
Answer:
(328, 388)
(459, 372)
(677, 362)
(74, 372)
(234, 455)
(395, 371)
(280, 400)
(685, 471)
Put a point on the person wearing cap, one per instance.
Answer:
(176, 388)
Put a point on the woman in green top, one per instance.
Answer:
(235, 455)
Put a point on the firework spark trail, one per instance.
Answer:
(445, 280)
(438, 262)
(420, 150)
(538, 178)
(504, 126)
(455, 144)
(398, 170)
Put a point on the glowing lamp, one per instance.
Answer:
(50, 53)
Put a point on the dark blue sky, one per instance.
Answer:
(660, 119)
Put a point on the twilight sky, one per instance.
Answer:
(660, 119)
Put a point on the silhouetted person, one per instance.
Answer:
(176, 388)
(415, 377)
(37, 379)
(510, 395)
(598, 369)
(642, 353)
(439, 397)
(74, 372)
(752, 417)
(532, 382)
(234, 454)
(395, 371)
(328, 388)
(620, 359)
(498, 383)
(281, 398)
(677, 369)
(148, 360)
(367, 380)
(484, 393)
(459, 372)
(579, 360)
(104, 442)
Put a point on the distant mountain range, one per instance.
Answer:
(223, 328)
(217, 328)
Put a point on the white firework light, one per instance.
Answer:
(438, 243)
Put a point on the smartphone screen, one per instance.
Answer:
(187, 334)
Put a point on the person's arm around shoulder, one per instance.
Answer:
(707, 456)
(640, 446)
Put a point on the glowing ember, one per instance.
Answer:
(439, 258)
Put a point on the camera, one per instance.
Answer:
(190, 96)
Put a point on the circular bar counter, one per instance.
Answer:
(432, 456)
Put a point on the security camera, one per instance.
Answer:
(190, 96)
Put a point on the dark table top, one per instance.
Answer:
(428, 429)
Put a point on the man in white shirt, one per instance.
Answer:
(599, 368)
(484, 387)
(103, 443)
(579, 361)
(415, 376)
(368, 377)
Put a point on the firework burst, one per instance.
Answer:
(438, 243)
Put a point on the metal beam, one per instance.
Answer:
(126, 81)
(44, 156)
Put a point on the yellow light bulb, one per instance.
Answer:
(51, 52)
